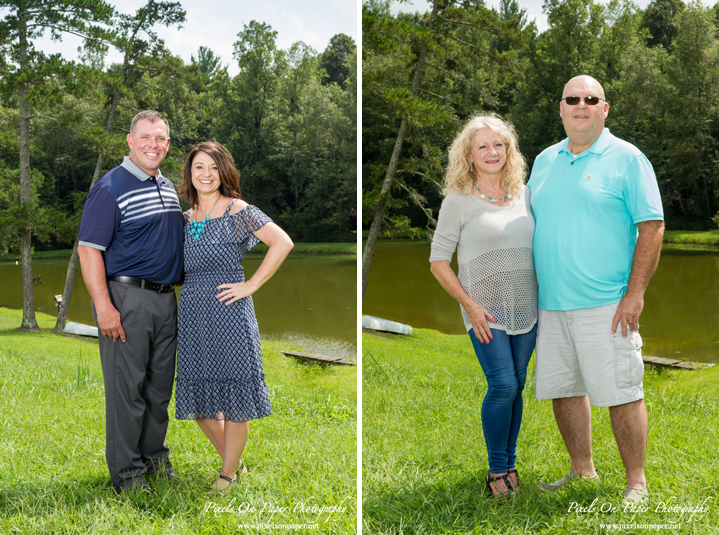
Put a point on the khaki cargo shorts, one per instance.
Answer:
(578, 355)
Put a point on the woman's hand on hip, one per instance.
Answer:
(479, 317)
(234, 292)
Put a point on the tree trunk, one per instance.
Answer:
(72, 266)
(28, 294)
(385, 195)
(385, 192)
(67, 292)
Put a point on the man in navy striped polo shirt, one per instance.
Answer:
(131, 256)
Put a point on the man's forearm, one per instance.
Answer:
(646, 256)
(93, 272)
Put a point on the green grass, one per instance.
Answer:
(313, 249)
(424, 456)
(53, 475)
(39, 255)
(261, 248)
(699, 237)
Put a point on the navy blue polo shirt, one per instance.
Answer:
(137, 222)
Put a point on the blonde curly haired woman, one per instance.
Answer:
(487, 219)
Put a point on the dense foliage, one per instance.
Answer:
(659, 68)
(288, 118)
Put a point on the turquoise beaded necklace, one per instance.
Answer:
(498, 201)
(196, 227)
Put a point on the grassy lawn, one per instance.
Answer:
(424, 457)
(299, 249)
(699, 237)
(52, 467)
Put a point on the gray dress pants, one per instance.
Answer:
(138, 376)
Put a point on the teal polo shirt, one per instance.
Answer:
(586, 210)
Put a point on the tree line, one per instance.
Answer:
(425, 73)
(288, 118)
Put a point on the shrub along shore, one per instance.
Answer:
(424, 456)
(52, 466)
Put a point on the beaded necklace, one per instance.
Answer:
(498, 201)
(196, 227)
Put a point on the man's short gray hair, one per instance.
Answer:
(152, 116)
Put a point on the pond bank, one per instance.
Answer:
(424, 452)
(696, 237)
(328, 249)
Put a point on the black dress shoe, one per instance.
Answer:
(161, 469)
(137, 486)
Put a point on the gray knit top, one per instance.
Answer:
(494, 253)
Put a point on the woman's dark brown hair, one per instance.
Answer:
(229, 176)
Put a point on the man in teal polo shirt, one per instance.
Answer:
(599, 228)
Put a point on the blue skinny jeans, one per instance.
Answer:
(504, 361)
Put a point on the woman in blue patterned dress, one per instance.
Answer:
(220, 382)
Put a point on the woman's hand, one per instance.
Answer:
(235, 292)
(479, 316)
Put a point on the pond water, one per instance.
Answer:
(311, 301)
(681, 305)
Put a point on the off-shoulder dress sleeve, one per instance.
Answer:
(248, 220)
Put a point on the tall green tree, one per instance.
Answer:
(622, 20)
(693, 72)
(668, 105)
(569, 47)
(316, 149)
(250, 121)
(208, 62)
(660, 20)
(142, 52)
(26, 72)
(335, 59)
(421, 71)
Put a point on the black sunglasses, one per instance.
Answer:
(589, 101)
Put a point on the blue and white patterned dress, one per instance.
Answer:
(219, 358)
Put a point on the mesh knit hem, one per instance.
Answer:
(504, 328)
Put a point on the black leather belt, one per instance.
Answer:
(145, 285)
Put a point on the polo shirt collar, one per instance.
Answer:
(133, 168)
(602, 142)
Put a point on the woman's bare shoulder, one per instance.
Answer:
(238, 205)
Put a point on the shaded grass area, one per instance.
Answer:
(53, 476)
(424, 456)
(329, 249)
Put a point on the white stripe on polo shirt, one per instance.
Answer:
(144, 198)
(145, 209)
(158, 211)
(151, 206)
